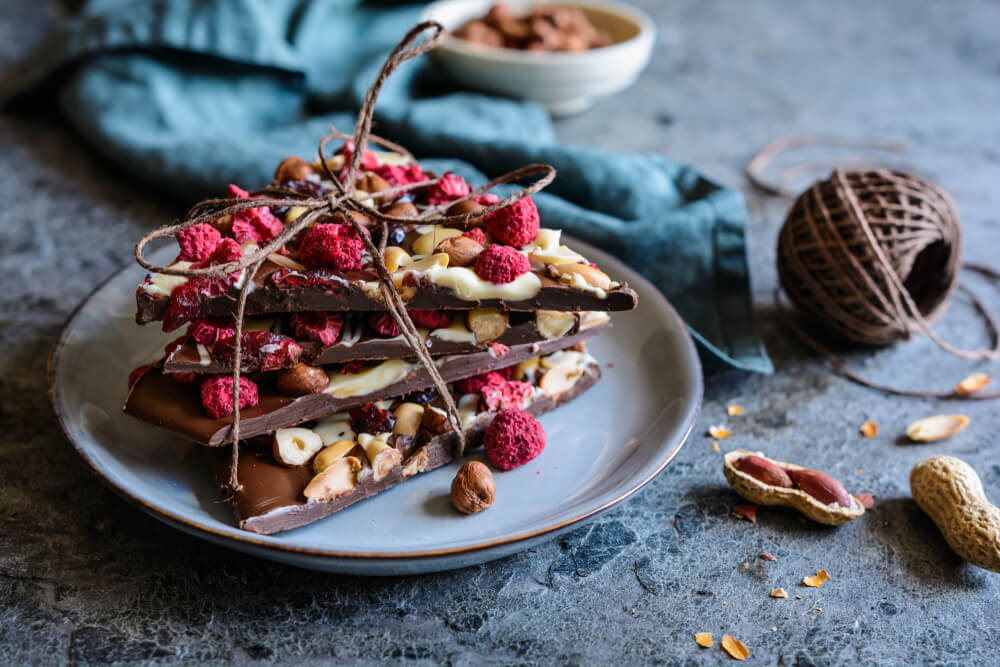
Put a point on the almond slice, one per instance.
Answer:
(734, 647)
(779, 593)
(719, 432)
(938, 427)
(734, 410)
(704, 639)
(973, 383)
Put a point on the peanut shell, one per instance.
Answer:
(950, 492)
(762, 494)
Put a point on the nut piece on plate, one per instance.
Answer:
(339, 479)
(293, 169)
(473, 489)
(461, 250)
(408, 418)
(302, 380)
(487, 324)
(553, 323)
(295, 446)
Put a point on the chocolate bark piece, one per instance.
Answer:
(280, 290)
(271, 499)
(176, 407)
(356, 345)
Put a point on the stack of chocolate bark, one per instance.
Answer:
(334, 406)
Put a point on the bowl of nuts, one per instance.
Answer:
(564, 55)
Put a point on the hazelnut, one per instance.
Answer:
(473, 489)
(293, 169)
(464, 206)
(487, 324)
(554, 323)
(461, 250)
(403, 209)
(295, 446)
(559, 379)
(302, 380)
(371, 182)
(435, 421)
(338, 479)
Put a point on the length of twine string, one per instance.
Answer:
(345, 199)
(905, 308)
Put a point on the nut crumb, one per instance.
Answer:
(766, 556)
(725, 604)
(719, 432)
(817, 580)
(869, 429)
(774, 628)
(798, 597)
(779, 593)
(715, 445)
(734, 410)
(704, 639)
(812, 618)
(748, 512)
(734, 647)
(973, 383)
(867, 500)
(746, 565)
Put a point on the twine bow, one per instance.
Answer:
(344, 199)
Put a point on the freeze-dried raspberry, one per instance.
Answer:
(505, 394)
(487, 199)
(259, 351)
(476, 234)
(396, 175)
(226, 250)
(217, 395)
(197, 242)
(137, 373)
(369, 161)
(512, 439)
(372, 419)
(475, 384)
(173, 346)
(449, 187)
(515, 225)
(331, 246)
(210, 330)
(501, 264)
(432, 319)
(236, 192)
(256, 224)
(317, 325)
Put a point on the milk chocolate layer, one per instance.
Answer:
(271, 499)
(276, 294)
(176, 407)
(369, 347)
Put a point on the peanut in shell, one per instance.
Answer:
(760, 493)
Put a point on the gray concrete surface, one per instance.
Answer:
(86, 578)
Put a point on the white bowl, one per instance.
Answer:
(566, 83)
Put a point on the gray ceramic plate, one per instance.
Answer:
(602, 448)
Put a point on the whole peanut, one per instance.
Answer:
(950, 492)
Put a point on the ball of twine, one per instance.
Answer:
(873, 254)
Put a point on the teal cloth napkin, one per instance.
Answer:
(192, 95)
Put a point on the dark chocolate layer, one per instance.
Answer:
(271, 499)
(370, 347)
(176, 407)
(285, 296)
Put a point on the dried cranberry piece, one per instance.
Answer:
(384, 325)
(320, 326)
(185, 303)
(259, 350)
(210, 330)
(372, 419)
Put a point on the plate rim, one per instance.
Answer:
(251, 540)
